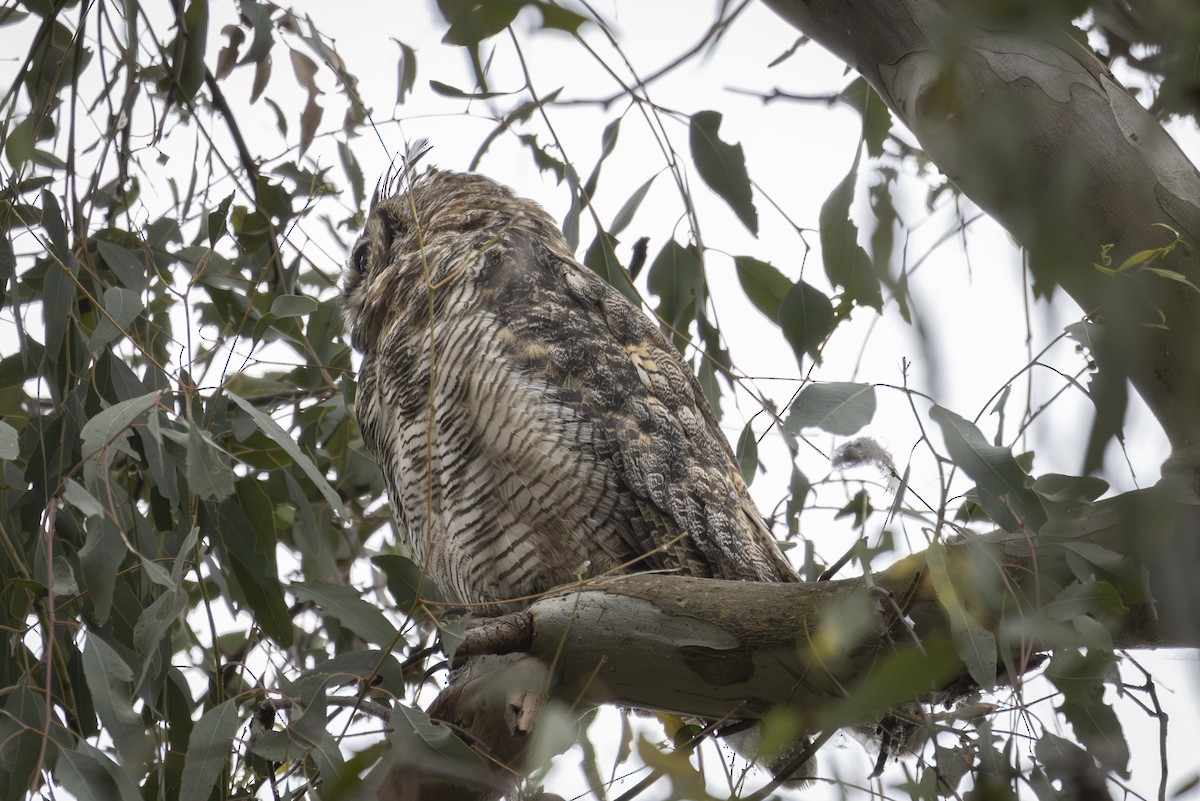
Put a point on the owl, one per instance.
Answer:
(531, 424)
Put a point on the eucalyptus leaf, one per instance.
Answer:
(208, 474)
(846, 262)
(747, 454)
(108, 430)
(91, 775)
(764, 285)
(625, 214)
(293, 306)
(975, 645)
(209, 748)
(1001, 482)
(110, 679)
(273, 430)
(806, 319)
(345, 605)
(837, 407)
(722, 166)
(121, 307)
(8, 442)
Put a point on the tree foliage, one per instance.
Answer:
(200, 597)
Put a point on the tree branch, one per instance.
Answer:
(1038, 133)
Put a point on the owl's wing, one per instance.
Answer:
(680, 499)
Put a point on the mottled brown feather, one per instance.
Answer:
(526, 416)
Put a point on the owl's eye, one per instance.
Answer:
(359, 259)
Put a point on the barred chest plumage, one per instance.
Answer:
(501, 491)
(532, 425)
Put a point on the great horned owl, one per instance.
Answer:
(527, 418)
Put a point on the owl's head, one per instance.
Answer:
(425, 234)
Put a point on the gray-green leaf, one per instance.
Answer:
(8, 442)
(273, 430)
(806, 319)
(209, 748)
(722, 166)
(837, 407)
(121, 307)
(1000, 480)
(763, 283)
(350, 610)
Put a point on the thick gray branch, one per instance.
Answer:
(715, 648)
(1037, 132)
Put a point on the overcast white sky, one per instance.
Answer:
(970, 296)
(968, 292)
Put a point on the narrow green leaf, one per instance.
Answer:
(1059, 488)
(846, 263)
(747, 454)
(406, 71)
(273, 430)
(1081, 678)
(601, 257)
(110, 679)
(608, 142)
(557, 18)
(21, 741)
(245, 540)
(895, 679)
(806, 319)
(101, 555)
(1000, 480)
(446, 90)
(56, 228)
(126, 265)
(75, 494)
(58, 298)
(798, 489)
(344, 604)
(677, 277)
(208, 474)
(209, 750)
(1084, 598)
(362, 667)
(406, 581)
(190, 49)
(293, 306)
(107, 431)
(163, 467)
(876, 121)
(91, 775)
(215, 223)
(722, 166)
(155, 622)
(1172, 275)
(975, 645)
(764, 285)
(259, 16)
(354, 174)
(20, 147)
(8, 442)
(471, 23)
(122, 307)
(837, 407)
(625, 214)
(412, 729)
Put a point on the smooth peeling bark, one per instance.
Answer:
(713, 648)
(1038, 133)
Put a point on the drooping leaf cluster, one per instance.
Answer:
(186, 507)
